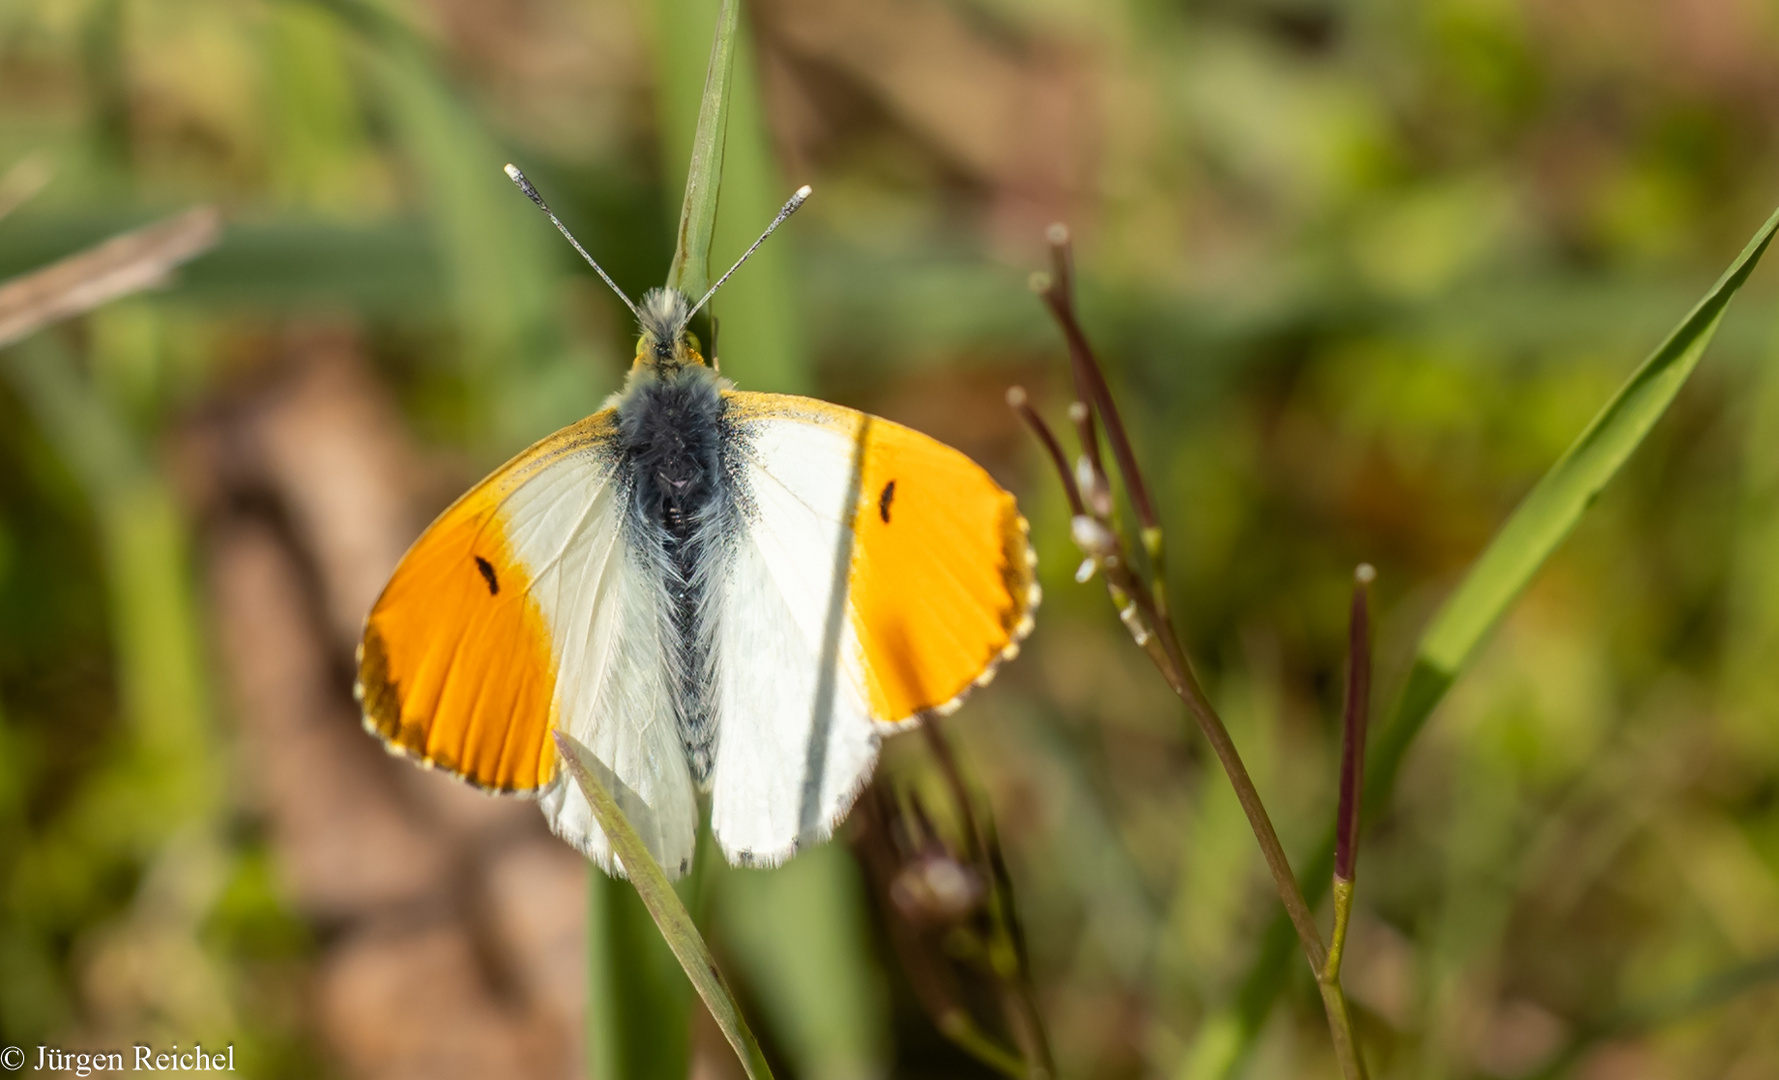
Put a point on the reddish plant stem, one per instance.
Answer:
(1143, 608)
(1099, 399)
(1170, 659)
(1163, 645)
(1062, 280)
(933, 986)
(1018, 995)
(1020, 404)
(1352, 750)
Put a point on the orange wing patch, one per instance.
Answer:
(942, 579)
(456, 667)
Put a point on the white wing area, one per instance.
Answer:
(565, 524)
(796, 742)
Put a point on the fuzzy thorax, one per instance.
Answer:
(665, 344)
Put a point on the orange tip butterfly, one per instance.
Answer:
(714, 590)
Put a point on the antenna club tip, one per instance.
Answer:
(1365, 574)
(1057, 234)
(1077, 412)
(513, 172)
(1016, 396)
(803, 193)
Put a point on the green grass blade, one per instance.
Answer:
(764, 339)
(1548, 514)
(1537, 527)
(639, 1007)
(157, 626)
(690, 272)
(670, 915)
(818, 1001)
(638, 1001)
(798, 936)
(502, 266)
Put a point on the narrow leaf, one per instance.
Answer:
(1543, 519)
(670, 916)
(763, 335)
(690, 272)
(1357, 713)
(1549, 513)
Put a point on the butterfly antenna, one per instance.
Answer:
(790, 207)
(518, 177)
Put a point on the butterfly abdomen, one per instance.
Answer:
(671, 438)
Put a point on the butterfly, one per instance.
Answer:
(715, 591)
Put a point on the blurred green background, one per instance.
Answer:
(1360, 272)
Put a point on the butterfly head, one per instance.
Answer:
(665, 343)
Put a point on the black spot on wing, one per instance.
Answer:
(883, 501)
(487, 569)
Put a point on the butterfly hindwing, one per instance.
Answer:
(878, 574)
(522, 609)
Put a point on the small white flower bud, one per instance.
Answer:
(1092, 537)
(1133, 621)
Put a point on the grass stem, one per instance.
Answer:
(1009, 958)
(1518, 550)
(1353, 726)
(1142, 606)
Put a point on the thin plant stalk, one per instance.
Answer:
(950, 902)
(1519, 549)
(934, 987)
(1142, 607)
(1007, 949)
(1352, 767)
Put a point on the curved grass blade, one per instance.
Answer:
(1538, 525)
(690, 272)
(671, 917)
(1549, 513)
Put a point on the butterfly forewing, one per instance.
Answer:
(878, 573)
(519, 610)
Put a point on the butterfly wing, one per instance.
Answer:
(520, 610)
(877, 574)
